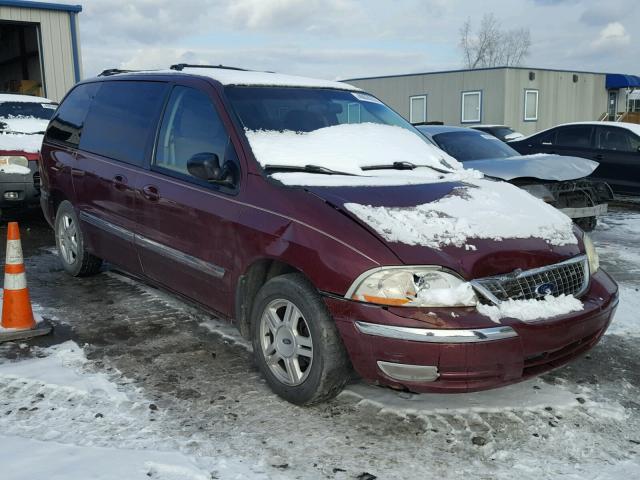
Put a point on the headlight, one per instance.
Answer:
(414, 287)
(592, 254)
(14, 160)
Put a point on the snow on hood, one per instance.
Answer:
(24, 124)
(541, 166)
(347, 148)
(22, 143)
(477, 209)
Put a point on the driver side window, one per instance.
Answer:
(190, 125)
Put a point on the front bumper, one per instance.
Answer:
(20, 190)
(465, 350)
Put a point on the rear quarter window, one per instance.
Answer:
(122, 120)
(67, 123)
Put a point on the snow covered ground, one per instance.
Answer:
(135, 384)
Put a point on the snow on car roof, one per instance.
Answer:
(254, 78)
(17, 97)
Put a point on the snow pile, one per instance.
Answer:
(14, 169)
(463, 294)
(481, 209)
(531, 310)
(63, 368)
(18, 97)
(24, 125)
(626, 321)
(56, 461)
(21, 143)
(347, 148)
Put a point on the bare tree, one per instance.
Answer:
(491, 46)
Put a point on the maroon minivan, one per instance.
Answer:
(324, 225)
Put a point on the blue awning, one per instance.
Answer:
(618, 80)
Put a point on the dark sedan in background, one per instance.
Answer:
(614, 145)
(559, 181)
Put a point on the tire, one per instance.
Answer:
(70, 242)
(318, 373)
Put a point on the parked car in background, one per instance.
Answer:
(324, 225)
(614, 145)
(559, 181)
(23, 120)
(502, 132)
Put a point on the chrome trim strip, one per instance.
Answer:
(178, 256)
(436, 335)
(109, 227)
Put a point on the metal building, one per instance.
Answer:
(39, 48)
(526, 99)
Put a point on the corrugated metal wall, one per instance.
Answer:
(55, 30)
(560, 99)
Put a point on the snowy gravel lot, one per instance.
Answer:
(134, 384)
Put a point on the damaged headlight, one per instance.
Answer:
(14, 160)
(592, 254)
(413, 287)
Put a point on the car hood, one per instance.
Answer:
(409, 220)
(541, 166)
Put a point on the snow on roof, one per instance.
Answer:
(347, 147)
(21, 143)
(481, 209)
(15, 97)
(253, 78)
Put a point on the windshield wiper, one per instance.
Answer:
(306, 168)
(404, 166)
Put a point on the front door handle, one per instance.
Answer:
(150, 192)
(75, 172)
(120, 182)
(599, 156)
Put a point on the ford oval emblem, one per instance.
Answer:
(286, 341)
(546, 289)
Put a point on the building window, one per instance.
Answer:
(471, 107)
(530, 105)
(418, 109)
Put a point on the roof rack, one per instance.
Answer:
(114, 71)
(180, 66)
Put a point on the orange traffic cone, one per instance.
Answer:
(17, 314)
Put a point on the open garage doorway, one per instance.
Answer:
(20, 59)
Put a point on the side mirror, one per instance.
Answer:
(206, 166)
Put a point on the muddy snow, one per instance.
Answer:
(136, 384)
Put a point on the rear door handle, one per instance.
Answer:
(75, 172)
(599, 156)
(120, 182)
(150, 192)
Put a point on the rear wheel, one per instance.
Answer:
(295, 341)
(70, 242)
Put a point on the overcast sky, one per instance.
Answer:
(339, 39)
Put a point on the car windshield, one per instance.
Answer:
(308, 109)
(464, 146)
(42, 111)
(320, 130)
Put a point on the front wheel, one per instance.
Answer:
(76, 260)
(296, 344)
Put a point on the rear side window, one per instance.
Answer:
(122, 119)
(617, 139)
(66, 125)
(190, 125)
(575, 136)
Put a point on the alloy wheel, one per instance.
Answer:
(285, 339)
(68, 239)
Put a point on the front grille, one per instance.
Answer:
(570, 277)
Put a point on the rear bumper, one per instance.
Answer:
(467, 352)
(20, 190)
